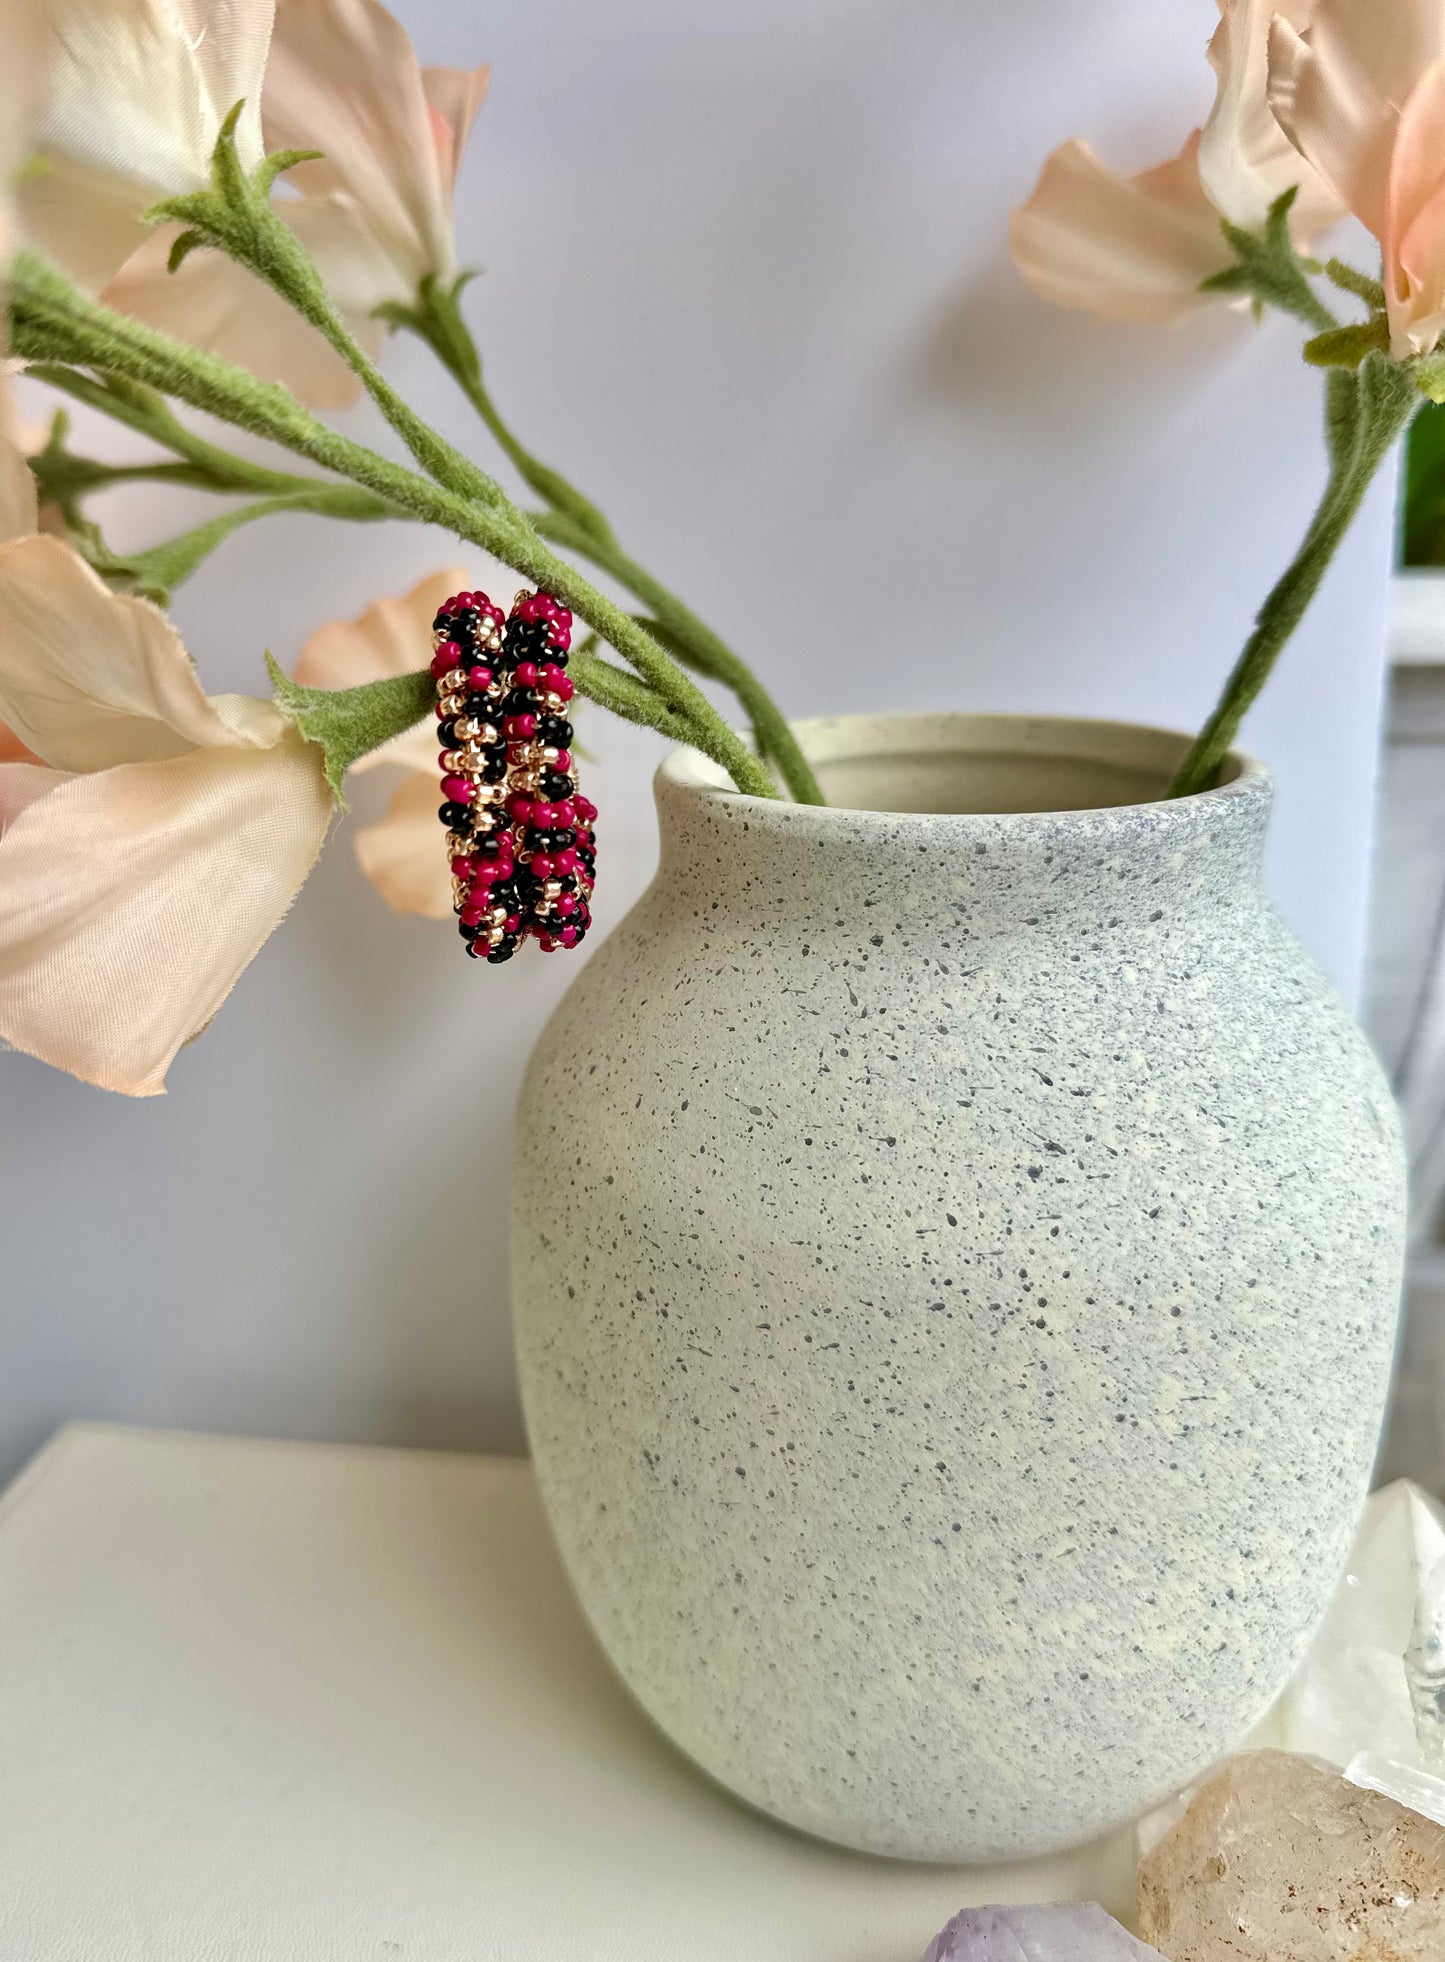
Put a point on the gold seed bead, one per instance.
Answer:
(451, 705)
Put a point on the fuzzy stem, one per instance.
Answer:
(576, 523)
(1385, 399)
(53, 321)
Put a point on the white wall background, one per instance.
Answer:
(747, 282)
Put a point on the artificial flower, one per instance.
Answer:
(403, 855)
(1129, 248)
(136, 92)
(1360, 92)
(375, 212)
(19, 511)
(1245, 158)
(1140, 247)
(344, 79)
(151, 837)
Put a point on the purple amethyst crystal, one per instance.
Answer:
(1062, 1931)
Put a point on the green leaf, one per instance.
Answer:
(1346, 347)
(1268, 269)
(351, 722)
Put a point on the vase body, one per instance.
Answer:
(956, 1261)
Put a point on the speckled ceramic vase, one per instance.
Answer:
(957, 1249)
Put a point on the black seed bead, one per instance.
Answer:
(503, 951)
(555, 787)
(478, 707)
(494, 769)
(456, 817)
(447, 732)
(558, 656)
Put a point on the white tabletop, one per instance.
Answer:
(279, 1703)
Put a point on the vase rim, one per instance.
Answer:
(1135, 747)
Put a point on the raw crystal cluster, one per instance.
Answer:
(1065, 1931)
(1370, 1694)
(1280, 1859)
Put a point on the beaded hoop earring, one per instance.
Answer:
(519, 834)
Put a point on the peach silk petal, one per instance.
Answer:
(391, 637)
(1414, 240)
(343, 79)
(1129, 248)
(132, 899)
(405, 855)
(23, 779)
(214, 304)
(1337, 87)
(137, 91)
(1245, 158)
(19, 511)
(454, 95)
(90, 678)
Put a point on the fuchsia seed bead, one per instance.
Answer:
(479, 678)
(586, 809)
(568, 936)
(520, 725)
(566, 903)
(463, 866)
(564, 815)
(459, 790)
(562, 638)
(519, 807)
(526, 674)
(544, 816)
(543, 866)
(512, 922)
(565, 860)
(564, 760)
(445, 658)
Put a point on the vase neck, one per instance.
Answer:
(1003, 868)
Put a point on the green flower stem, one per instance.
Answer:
(160, 569)
(438, 320)
(52, 321)
(695, 643)
(1385, 398)
(615, 689)
(202, 466)
(576, 523)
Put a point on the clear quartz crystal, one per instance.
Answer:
(1064, 1931)
(1369, 1696)
(1280, 1859)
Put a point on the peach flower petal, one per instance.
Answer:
(1337, 86)
(344, 79)
(91, 678)
(132, 899)
(1245, 159)
(1414, 239)
(454, 95)
(1129, 248)
(404, 856)
(137, 92)
(19, 512)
